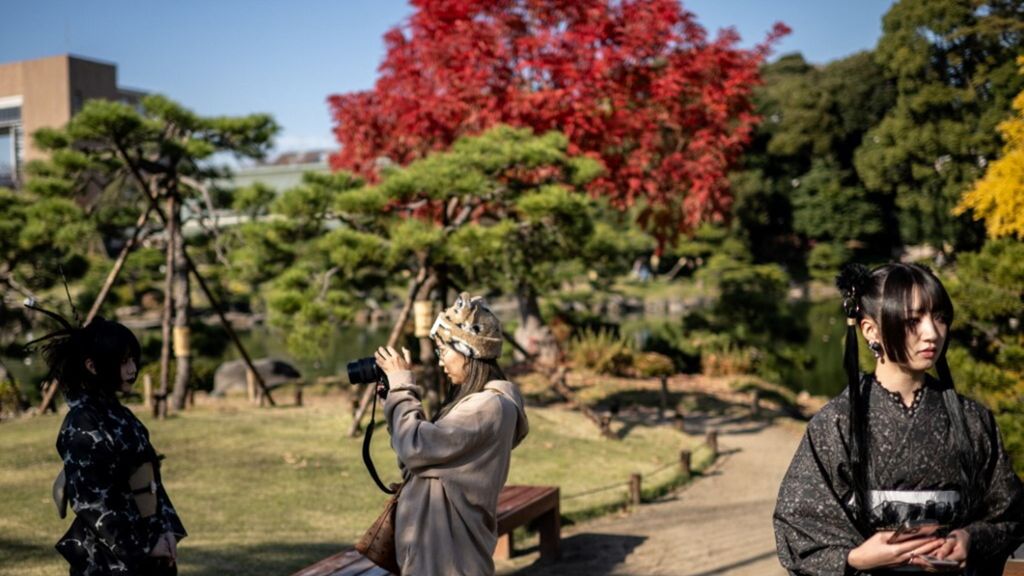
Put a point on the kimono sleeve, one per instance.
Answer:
(169, 520)
(1001, 527)
(813, 531)
(420, 443)
(97, 495)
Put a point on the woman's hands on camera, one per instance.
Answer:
(390, 361)
(876, 552)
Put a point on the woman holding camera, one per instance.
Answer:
(899, 473)
(124, 522)
(456, 464)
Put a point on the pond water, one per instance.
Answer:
(824, 376)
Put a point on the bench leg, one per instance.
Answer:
(550, 528)
(503, 551)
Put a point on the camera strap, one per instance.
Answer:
(366, 448)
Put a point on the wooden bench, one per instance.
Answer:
(534, 505)
(1014, 568)
(517, 506)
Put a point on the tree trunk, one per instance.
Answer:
(170, 231)
(122, 257)
(396, 332)
(20, 404)
(532, 334)
(182, 305)
(431, 380)
(558, 384)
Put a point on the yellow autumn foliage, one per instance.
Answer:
(999, 196)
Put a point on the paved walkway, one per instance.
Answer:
(720, 524)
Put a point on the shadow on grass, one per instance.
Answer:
(702, 412)
(16, 551)
(586, 553)
(258, 560)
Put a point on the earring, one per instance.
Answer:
(876, 349)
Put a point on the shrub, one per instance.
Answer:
(603, 352)
(825, 260)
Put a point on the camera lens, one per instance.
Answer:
(364, 371)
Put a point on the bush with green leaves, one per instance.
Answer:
(602, 351)
(825, 259)
(986, 354)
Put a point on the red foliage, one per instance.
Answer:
(635, 83)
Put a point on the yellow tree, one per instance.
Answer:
(999, 196)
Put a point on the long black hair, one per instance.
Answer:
(886, 295)
(108, 344)
(479, 371)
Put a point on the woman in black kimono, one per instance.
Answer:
(899, 447)
(124, 522)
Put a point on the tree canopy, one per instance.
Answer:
(998, 198)
(637, 84)
(953, 65)
(501, 209)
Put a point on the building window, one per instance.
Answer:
(12, 145)
(10, 115)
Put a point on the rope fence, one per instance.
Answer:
(635, 483)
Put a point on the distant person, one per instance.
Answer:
(456, 464)
(124, 522)
(899, 473)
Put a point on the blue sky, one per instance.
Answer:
(243, 56)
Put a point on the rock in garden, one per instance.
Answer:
(231, 375)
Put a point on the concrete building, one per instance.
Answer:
(280, 173)
(47, 92)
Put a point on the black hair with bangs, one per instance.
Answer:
(890, 302)
(108, 344)
(886, 295)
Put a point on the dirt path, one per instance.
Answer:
(720, 524)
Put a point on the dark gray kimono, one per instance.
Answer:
(101, 443)
(913, 473)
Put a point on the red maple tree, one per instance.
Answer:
(635, 83)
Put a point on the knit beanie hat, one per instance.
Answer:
(469, 327)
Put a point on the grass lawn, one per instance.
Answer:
(267, 491)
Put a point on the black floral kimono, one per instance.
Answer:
(913, 474)
(101, 444)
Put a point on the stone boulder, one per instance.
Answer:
(231, 375)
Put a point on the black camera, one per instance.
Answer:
(366, 371)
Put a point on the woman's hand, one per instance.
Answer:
(166, 547)
(389, 360)
(955, 548)
(876, 552)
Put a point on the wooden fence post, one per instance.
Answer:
(684, 463)
(663, 408)
(250, 385)
(147, 391)
(634, 489)
(711, 439)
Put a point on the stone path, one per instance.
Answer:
(720, 524)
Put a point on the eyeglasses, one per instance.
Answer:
(439, 350)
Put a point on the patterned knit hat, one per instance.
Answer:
(469, 327)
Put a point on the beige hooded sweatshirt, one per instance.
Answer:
(446, 519)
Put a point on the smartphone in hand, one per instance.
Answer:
(940, 562)
(917, 529)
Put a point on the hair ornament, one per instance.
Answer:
(852, 281)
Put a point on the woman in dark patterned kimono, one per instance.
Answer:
(124, 522)
(899, 447)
